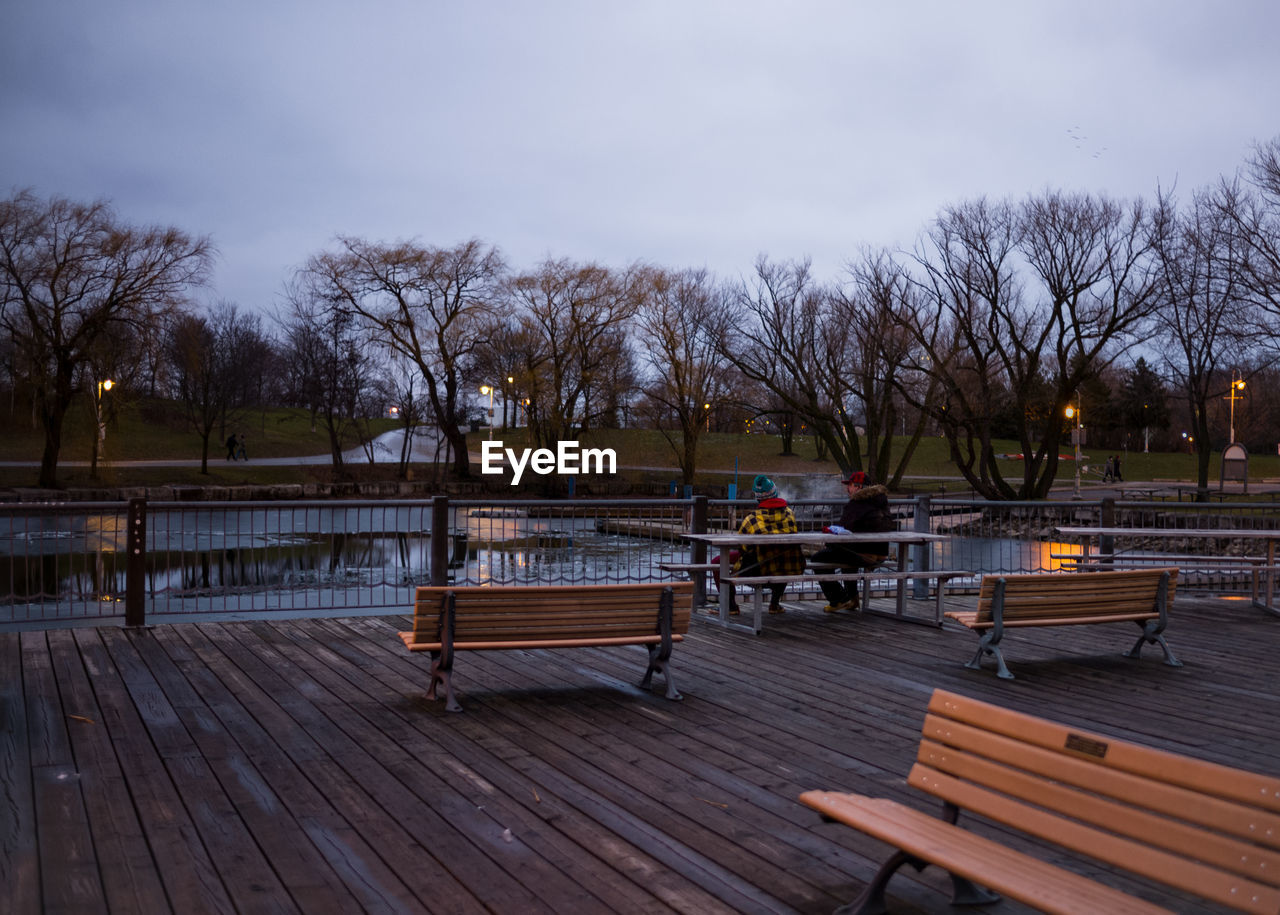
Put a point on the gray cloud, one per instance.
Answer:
(683, 133)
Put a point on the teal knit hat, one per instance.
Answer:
(762, 488)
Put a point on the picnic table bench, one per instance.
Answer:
(1068, 599)
(1203, 828)
(454, 618)
(827, 572)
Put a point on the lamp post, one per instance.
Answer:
(505, 394)
(488, 389)
(706, 408)
(1237, 384)
(105, 385)
(1076, 434)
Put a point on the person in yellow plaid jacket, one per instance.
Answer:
(771, 515)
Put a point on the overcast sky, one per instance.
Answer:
(685, 133)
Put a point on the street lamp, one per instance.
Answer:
(105, 385)
(707, 409)
(1076, 434)
(1233, 396)
(488, 389)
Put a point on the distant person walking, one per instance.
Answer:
(1115, 469)
(240, 452)
(231, 447)
(1109, 470)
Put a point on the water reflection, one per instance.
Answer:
(295, 556)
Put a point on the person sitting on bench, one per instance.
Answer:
(772, 515)
(866, 510)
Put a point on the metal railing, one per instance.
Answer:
(67, 563)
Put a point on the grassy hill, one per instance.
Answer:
(153, 431)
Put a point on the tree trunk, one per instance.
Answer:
(458, 443)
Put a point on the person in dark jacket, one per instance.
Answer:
(866, 510)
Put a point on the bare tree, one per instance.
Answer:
(213, 363)
(867, 341)
(71, 273)
(573, 317)
(1202, 323)
(677, 322)
(430, 305)
(1255, 219)
(328, 348)
(1025, 305)
(780, 334)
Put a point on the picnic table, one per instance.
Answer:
(1267, 568)
(726, 540)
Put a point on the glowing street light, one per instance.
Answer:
(105, 385)
(1237, 384)
(488, 389)
(1076, 434)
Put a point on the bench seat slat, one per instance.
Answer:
(970, 619)
(1199, 775)
(550, 617)
(517, 634)
(513, 644)
(1017, 875)
(1174, 870)
(1145, 809)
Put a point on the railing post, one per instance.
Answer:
(1107, 518)
(920, 588)
(439, 541)
(135, 569)
(698, 525)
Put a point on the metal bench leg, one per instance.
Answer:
(871, 900)
(660, 654)
(662, 665)
(444, 678)
(1152, 634)
(965, 892)
(988, 646)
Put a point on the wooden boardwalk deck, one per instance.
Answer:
(296, 766)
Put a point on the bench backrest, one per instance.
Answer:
(549, 613)
(1205, 828)
(1119, 595)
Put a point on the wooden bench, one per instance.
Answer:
(450, 619)
(1067, 599)
(1202, 828)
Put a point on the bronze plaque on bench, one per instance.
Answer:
(1086, 745)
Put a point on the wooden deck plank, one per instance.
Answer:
(19, 858)
(311, 742)
(123, 858)
(533, 812)
(333, 812)
(302, 872)
(183, 864)
(409, 787)
(57, 790)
